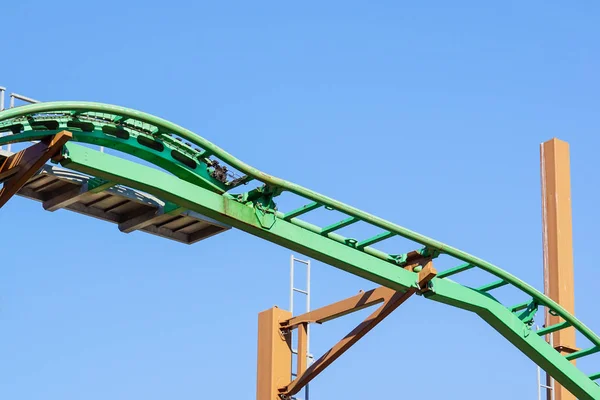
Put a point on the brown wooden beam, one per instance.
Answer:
(391, 300)
(342, 346)
(21, 166)
(557, 237)
(72, 196)
(302, 348)
(274, 367)
(341, 308)
(426, 275)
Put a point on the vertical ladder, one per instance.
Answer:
(305, 292)
(543, 386)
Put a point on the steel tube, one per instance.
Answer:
(2, 91)
(17, 96)
(308, 194)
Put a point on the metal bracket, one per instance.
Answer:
(425, 279)
(266, 217)
(529, 313)
(261, 199)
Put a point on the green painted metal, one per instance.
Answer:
(374, 240)
(456, 270)
(492, 286)
(520, 306)
(302, 210)
(583, 353)
(162, 151)
(96, 185)
(595, 376)
(339, 225)
(204, 186)
(528, 314)
(553, 328)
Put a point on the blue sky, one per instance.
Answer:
(428, 114)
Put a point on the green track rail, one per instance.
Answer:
(198, 175)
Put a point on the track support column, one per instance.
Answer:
(17, 169)
(274, 367)
(558, 244)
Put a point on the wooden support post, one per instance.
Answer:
(391, 300)
(20, 167)
(558, 244)
(302, 348)
(274, 354)
(348, 341)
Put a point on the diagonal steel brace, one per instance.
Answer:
(391, 301)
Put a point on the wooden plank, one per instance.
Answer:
(274, 367)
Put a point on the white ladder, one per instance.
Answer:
(548, 388)
(305, 292)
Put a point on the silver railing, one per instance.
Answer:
(12, 98)
(20, 97)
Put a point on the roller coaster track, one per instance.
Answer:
(197, 175)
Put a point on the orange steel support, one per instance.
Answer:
(274, 354)
(302, 348)
(21, 166)
(342, 346)
(341, 308)
(391, 300)
(558, 244)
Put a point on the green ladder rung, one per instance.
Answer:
(492, 286)
(520, 306)
(339, 225)
(302, 210)
(595, 376)
(375, 239)
(455, 270)
(553, 328)
(582, 353)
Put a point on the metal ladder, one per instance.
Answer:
(305, 292)
(541, 386)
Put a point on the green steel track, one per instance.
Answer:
(196, 174)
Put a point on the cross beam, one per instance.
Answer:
(20, 167)
(391, 300)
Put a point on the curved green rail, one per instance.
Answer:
(201, 179)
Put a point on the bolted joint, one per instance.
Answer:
(425, 278)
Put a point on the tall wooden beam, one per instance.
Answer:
(558, 243)
(274, 354)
